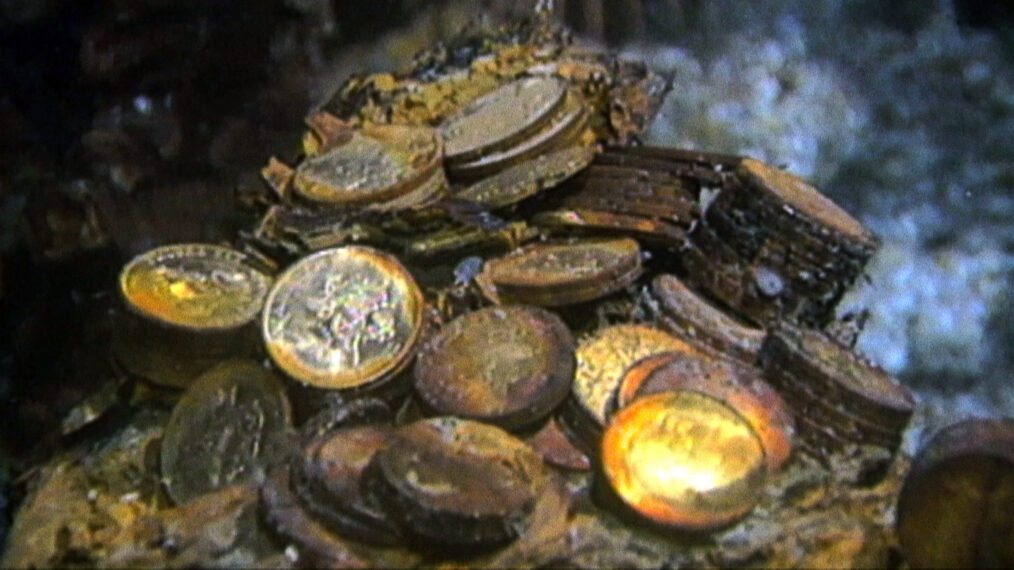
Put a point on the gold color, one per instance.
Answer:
(343, 318)
(603, 359)
(526, 179)
(684, 459)
(194, 286)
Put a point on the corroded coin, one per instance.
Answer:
(602, 360)
(329, 481)
(733, 384)
(373, 165)
(501, 117)
(457, 483)
(228, 427)
(343, 318)
(524, 180)
(684, 312)
(509, 366)
(684, 459)
(660, 232)
(956, 509)
(562, 273)
(194, 286)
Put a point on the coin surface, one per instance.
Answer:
(227, 428)
(329, 482)
(955, 509)
(373, 165)
(457, 483)
(603, 358)
(194, 286)
(516, 183)
(343, 318)
(684, 459)
(563, 273)
(735, 385)
(502, 116)
(509, 366)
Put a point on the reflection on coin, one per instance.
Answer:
(375, 164)
(502, 116)
(343, 318)
(226, 429)
(684, 459)
(194, 286)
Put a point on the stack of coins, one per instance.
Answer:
(512, 439)
(788, 251)
(525, 118)
(189, 306)
(839, 398)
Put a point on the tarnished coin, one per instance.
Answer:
(457, 483)
(564, 273)
(563, 129)
(524, 180)
(956, 509)
(602, 360)
(659, 232)
(343, 318)
(685, 460)
(509, 366)
(329, 481)
(501, 117)
(806, 365)
(733, 384)
(684, 312)
(229, 427)
(374, 164)
(194, 286)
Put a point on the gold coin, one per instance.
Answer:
(343, 318)
(684, 459)
(375, 164)
(603, 358)
(194, 286)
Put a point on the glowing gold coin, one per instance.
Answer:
(343, 318)
(684, 459)
(194, 286)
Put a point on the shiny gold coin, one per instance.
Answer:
(194, 286)
(343, 318)
(558, 274)
(374, 164)
(603, 358)
(685, 460)
(501, 117)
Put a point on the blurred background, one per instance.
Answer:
(130, 123)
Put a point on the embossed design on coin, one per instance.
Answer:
(343, 318)
(194, 286)
(226, 429)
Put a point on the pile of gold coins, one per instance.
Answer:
(475, 320)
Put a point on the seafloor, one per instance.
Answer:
(129, 124)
